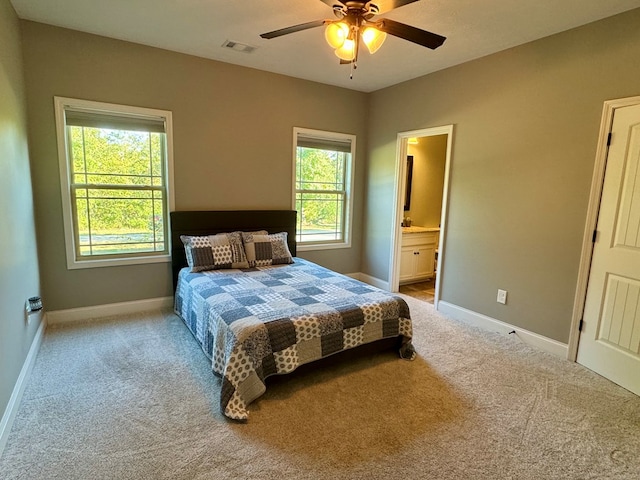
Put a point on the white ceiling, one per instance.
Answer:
(474, 28)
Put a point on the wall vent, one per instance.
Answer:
(239, 47)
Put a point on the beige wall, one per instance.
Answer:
(233, 130)
(525, 121)
(18, 256)
(429, 160)
(526, 126)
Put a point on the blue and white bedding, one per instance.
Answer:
(253, 323)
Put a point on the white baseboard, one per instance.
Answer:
(98, 311)
(376, 282)
(14, 402)
(479, 320)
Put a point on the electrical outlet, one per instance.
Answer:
(502, 297)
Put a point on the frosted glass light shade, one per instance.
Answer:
(373, 38)
(336, 33)
(347, 51)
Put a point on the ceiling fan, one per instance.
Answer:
(357, 23)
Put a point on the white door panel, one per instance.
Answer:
(610, 339)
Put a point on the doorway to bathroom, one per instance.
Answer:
(422, 185)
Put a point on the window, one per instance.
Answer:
(116, 179)
(322, 188)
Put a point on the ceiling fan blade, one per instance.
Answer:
(412, 34)
(293, 29)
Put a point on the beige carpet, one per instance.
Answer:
(133, 398)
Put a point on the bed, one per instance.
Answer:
(265, 314)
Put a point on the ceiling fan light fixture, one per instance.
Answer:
(373, 38)
(354, 25)
(336, 33)
(347, 51)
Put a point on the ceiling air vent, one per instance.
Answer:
(239, 47)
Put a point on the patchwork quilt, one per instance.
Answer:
(257, 322)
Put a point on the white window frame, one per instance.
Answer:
(348, 182)
(61, 105)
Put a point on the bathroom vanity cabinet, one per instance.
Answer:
(418, 254)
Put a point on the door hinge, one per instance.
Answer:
(580, 325)
(609, 140)
(595, 236)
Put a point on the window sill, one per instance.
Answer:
(116, 262)
(301, 247)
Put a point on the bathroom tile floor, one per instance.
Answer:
(424, 291)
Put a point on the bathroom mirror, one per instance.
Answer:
(407, 195)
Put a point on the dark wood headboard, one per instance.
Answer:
(220, 221)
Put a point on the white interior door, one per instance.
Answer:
(610, 338)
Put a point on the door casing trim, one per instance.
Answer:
(398, 211)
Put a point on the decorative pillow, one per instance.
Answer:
(266, 249)
(213, 252)
(250, 235)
